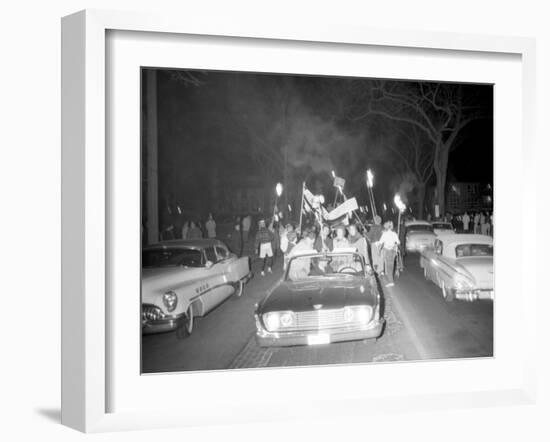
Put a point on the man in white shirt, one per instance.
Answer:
(466, 221)
(389, 241)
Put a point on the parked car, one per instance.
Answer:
(418, 235)
(183, 279)
(322, 298)
(442, 228)
(461, 265)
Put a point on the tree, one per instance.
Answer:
(411, 157)
(440, 111)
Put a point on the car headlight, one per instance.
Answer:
(358, 313)
(462, 283)
(170, 300)
(276, 320)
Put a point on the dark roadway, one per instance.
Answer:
(419, 325)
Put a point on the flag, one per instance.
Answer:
(345, 208)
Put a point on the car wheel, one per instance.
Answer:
(448, 294)
(239, 287)
(187, 327)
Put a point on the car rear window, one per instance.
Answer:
(420, 228)
(465, 250)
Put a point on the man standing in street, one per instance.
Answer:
(465, 222)
(247, 220)
(263, 246)
(210, 226)
(374, 235)
(389, 242)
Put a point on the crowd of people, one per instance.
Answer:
(270, 238)
(377, 244)
(472, 222)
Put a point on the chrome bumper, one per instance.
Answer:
(154, 320)
(475, 295)
(286, 339)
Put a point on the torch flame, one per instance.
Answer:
(370, 178)
(333, 174)
(279, 189)
(400, 205)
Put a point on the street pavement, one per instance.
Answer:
(420, 325)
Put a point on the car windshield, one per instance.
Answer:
(321, 266)
(420, 228)
(172, 257)
(465, 250)
(442, 226)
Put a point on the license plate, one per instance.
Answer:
(318, 339)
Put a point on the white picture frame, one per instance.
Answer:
(86, 350)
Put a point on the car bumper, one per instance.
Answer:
(475, 295)
(287, 339)
(152, 323)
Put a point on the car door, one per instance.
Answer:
(218, 287)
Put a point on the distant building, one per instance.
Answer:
(461, 197)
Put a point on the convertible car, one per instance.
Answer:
(322, 298)
(182, 279)
(461, 265)
(418, 236)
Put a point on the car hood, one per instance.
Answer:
(157, 279)
(331, 293)
(479, 268)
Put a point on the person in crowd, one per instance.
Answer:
(288, 240)
(246, 222)
(374, 234)
(167, 233)
(194, 231)
(465, 222)
(263, 246)
(276, 243)
(300, 267)
(210, 226)
(483, 223)
(185, 230)
(323, 243)
(340, 241)
(477, 223)
(389, 242)
(235, 240)
(358, 242)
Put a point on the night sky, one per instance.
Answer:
(237, 124)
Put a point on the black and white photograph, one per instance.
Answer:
(298, 220)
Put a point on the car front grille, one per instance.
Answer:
(319, 319)
(150, 312)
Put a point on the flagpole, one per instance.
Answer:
(301, 206)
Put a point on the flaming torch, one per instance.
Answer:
(401, 207)
(278, 193)
(370, 184)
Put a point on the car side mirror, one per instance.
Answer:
(209, 264)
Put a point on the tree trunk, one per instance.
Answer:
(441, 180)
(152, 190)
(421, 199)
